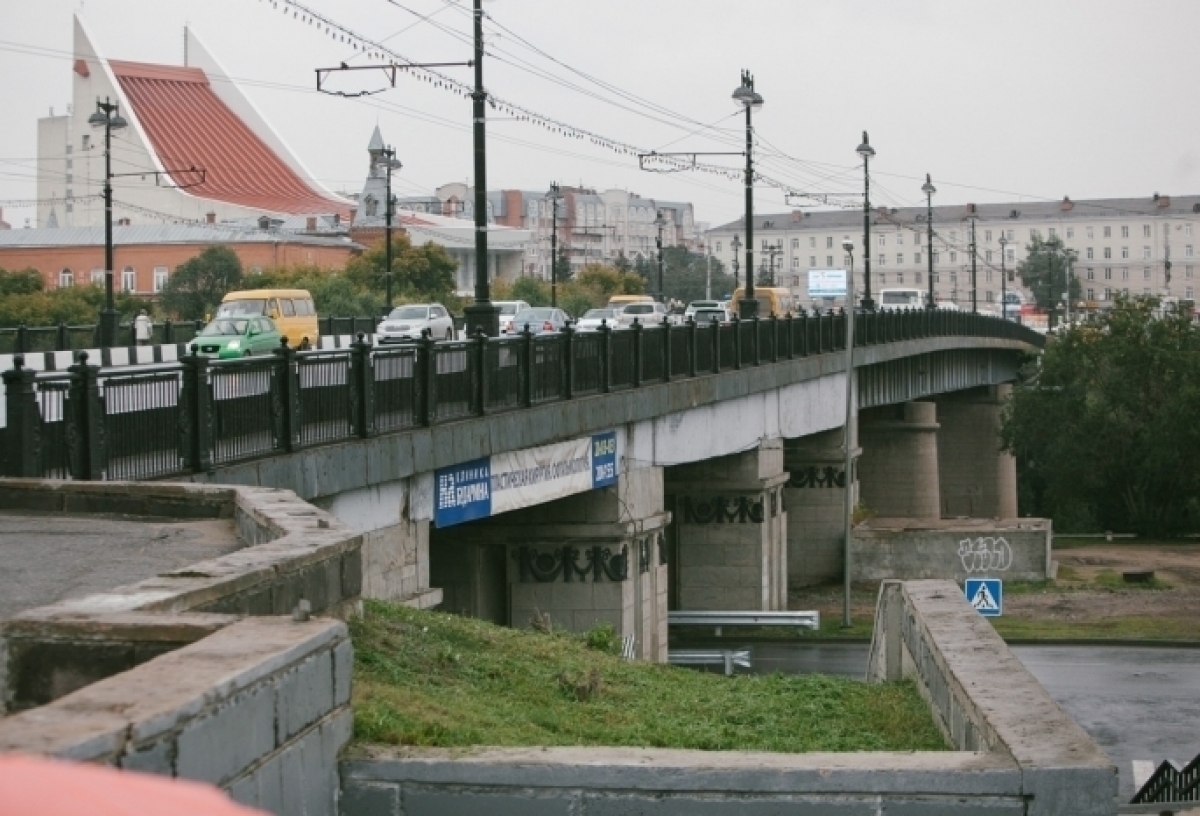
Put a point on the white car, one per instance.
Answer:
(647, 314)
(593, 318)
(508, 308)
(406, 323)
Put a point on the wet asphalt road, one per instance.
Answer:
(1137, 702)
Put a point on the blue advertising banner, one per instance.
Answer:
(464, 492)
(604, 460)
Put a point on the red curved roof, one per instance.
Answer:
(188, 125)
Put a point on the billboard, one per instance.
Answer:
(826, 283)
(508, 481)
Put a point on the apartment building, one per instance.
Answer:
(1131, 246)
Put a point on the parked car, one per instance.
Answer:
(648, 314)
(705, 317)
(540, 319)
(592, 319)
(406, 323)
(700, 304)
(508, 308)
(229, 337)
(291, 310)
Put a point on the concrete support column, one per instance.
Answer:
(815, 496)
(573, 563)
(977, 479)
(728, 544)
(898, 469)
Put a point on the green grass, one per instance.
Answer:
(431, 679)
(1130, 627)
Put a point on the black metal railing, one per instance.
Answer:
(175, 418)
(1170, 783)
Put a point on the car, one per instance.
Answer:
(705, 317)
(540, 320)
(407, 323)
(700, 304)
(508, 308)
(593, 318)
(647, 314)
(230, 337)
(292, 310)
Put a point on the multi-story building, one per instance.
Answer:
(591, 227)
(1131, 246)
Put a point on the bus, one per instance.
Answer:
(901, 298)
(772, 300)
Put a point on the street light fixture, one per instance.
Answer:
(384, 158)
(928, 189)
(867, 152)
(481, 315)
(1003, 277)
(108, 116)
(554, 196)
(748, 98)
(848, 503)
(660, 222)
(736, 245)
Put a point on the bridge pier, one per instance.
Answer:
(898, 469)
(977, 479)
(815, 497)
(572, 563)
(728, 545)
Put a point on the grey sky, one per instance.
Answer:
(1085, 98)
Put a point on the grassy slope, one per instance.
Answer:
(425, 678)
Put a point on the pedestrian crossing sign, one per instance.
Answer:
(986, 595)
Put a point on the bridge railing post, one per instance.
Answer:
(363, 387)
(605, 357)
(21, 342)
(666, 349)
(788, 338)
(85, 418)
(715, 339)
(477, 365)
(637, 353)
(567, 339)
(526, 366)
(22, 454)
(693, 350)
(737, 341)
(196, 414)
(285, 396)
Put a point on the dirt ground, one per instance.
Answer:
(1089, 592)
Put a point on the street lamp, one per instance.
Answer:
(482, 315)
(108, 116)
(554, 196)
(848, 503)
(1003, 277)
(748, 98)
(928, 189)
(660, 222)
(736, 245)
(974, 305)
(384, 158)
(866, 151)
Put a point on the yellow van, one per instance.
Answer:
(772, 300)
(291, 309)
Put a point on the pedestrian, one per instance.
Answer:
(142, 328)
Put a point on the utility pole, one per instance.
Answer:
(974, 272)
(554, 194)
(708, 271)
(928, 189)
(481, 316)
(1003, 277)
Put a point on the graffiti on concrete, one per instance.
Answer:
(985, 554)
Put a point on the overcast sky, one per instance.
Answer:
(998, 100)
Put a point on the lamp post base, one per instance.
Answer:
(747, 309)
(108, 327)
(483, 317)
(867, 304)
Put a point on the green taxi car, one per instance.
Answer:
(228, 337)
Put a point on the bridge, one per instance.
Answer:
(588, 477)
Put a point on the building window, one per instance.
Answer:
(883, 277)
(935, 257)
(1187, 272)
(1090, 253)
(917, 278)
(812, 242)
(899, 277)
(1108, 273)
(899, 259)
(1070, 232)
(1034, 234)
(953, 257)
(1145, 230)
(1012, 254)
(128, 280)
(1145, 273)
(1091, 274)
(812, 260)
(160, 278)
(1107, 292)
(1125, 291)
(899, 239)
(987, 235)
(829, 261)
(1187, 230)
(988, 276)
(1108, 232)
(257, 270)
(718, 250)
(1124, 252)
(87, 142)
(97, 277)
(916, 257)
(987, 256)
(1189, 293)
(795, 243)
(829, 242)
(1091, 294)
(1107, 251)
(796, 262)
(1146, 291)
(1124, 231)
(65, 279)
(1187, 251)
(953, 235)
(883, 240)
(1052, 232)
(989, 296)
(1125, 273)
(1146, 253)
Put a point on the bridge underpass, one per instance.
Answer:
(727, 455)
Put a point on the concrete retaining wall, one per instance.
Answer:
(955, 549)
(1015, 751)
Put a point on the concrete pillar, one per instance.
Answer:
(729, 533)
(977, 479)
(815, 496)
(576, 562)
(898, 469)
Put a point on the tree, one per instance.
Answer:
(533, 291)
(419, 273)
(1046, 271)
(198, 284)
(20, 282)
(333, 291)
(622, 263)
(562, 265)
(685, 273)
(1105, 439)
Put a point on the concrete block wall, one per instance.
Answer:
(955, 549)
(259, 708)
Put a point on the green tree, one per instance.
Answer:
(685, 273)
(622, 263)
(198, 284)
(1047, 269)
(419, 273)
(534, 291)
(333, 291)
(562, 265)
(1105, 439)
(20, 282)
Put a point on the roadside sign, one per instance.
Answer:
(826, 283)
(986, 595)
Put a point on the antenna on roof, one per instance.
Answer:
(185, 53)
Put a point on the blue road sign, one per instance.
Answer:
(986, 595)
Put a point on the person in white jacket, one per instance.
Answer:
(143, 329)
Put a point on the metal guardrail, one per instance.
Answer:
(719, 620)
(1170, 784)
(190, 416)
(728, 658)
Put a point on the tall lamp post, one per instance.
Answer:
(1003, 277)
(928, 189)
(384, 158)
(736, 246)
(866, 151)
(554, 196)
(746, 96)
(108, 116)
(660, 222)
(848, 439)
(482, 315)
(974, 286)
